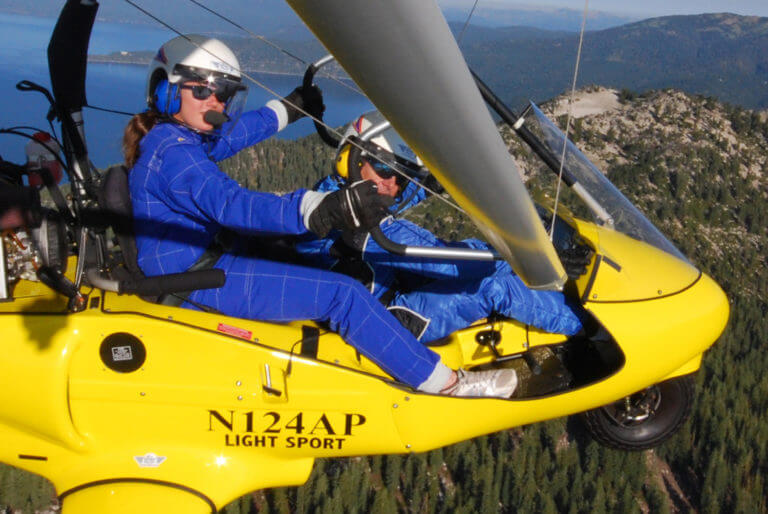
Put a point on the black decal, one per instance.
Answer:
(613, 264)
(592, 277)
(309, 339)
(227, 442)
(326, 425)
(32, 457)
(275, 420)
(349, 424)
(249, 421)
(122, 352)
(289, 442)
(215, 414)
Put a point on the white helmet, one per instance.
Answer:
(194, 58)
(386, 145)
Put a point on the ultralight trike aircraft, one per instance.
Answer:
(128, 404)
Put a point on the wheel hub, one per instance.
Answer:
(635, 409)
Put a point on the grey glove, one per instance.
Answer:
(355, 207)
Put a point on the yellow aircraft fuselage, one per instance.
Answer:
(130, 406)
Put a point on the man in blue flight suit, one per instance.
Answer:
(431, 297)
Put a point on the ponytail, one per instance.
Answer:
(136, 129)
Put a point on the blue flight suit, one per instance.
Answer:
(447, 295)
(181, 200)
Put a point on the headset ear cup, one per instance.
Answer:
(167, 98)
(161, 96)
(354, 165)
(175, 99)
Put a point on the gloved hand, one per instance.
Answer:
(355, 207)
(433, 185)
(575, 259)
(309, 100)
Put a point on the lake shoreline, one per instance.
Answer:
(118, 81)
(101, 59)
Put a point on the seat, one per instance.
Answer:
(115, 201)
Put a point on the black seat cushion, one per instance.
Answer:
(115, 202)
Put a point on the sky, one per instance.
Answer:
(644, 7)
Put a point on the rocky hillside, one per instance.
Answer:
(697, 167)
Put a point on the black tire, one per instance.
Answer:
(645, 419)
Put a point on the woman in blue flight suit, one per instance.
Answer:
(431, 297)
(181, 201)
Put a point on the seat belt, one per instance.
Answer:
(207, 260)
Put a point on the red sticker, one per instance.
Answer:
(235, 331)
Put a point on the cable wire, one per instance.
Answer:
(113, 111)
(274, 45)
(466, 23)
(568, 119)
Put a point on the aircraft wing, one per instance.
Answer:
(404, 57)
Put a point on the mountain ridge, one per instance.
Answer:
(721, 54)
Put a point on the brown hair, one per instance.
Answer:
(136, 129)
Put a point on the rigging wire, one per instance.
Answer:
(113, 111)
(392, 165)
(274, 45)
(568, 119)
(466, 23)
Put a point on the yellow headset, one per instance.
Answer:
(349, 159)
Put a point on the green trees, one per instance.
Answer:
(24, 491)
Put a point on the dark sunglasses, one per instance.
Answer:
(382, 170)
(223, 92)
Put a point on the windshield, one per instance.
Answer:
(609, 207)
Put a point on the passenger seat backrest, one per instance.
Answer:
(115, 200)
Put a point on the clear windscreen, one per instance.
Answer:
(234, 108)
(607, 205)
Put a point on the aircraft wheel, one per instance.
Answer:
(644, 419)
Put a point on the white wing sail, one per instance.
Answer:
(404, 57)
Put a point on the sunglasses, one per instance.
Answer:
(382, 170)
(223, 92)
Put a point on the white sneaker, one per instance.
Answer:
(499, 383)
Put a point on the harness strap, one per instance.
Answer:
(206, 261)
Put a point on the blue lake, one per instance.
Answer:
(119, 86)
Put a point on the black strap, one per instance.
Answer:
(388, 296)
(309, 339)
(208, 260)
(56, 195)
